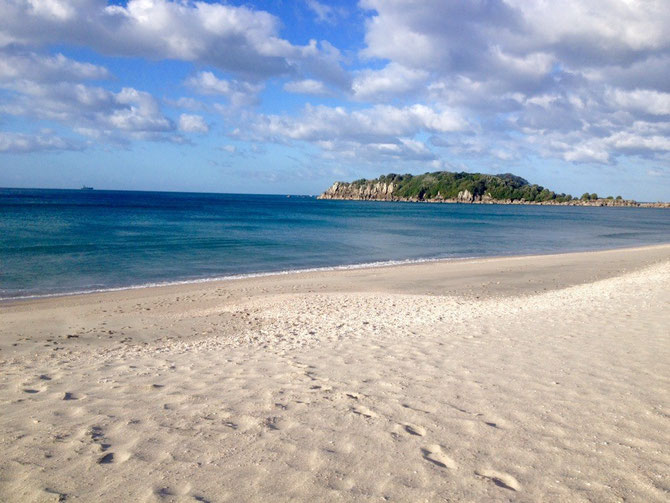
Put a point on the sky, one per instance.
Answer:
(290, 96)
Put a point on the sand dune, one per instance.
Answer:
(513, 379)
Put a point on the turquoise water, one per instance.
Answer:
(59, 241)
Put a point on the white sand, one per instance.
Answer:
(523, 379)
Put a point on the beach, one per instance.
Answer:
(528, 378)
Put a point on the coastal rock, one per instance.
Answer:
(369, 191)
(465, 196)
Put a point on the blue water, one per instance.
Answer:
(58, 241)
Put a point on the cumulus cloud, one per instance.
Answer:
(186, 103)
(325, 13)
(447, 34)
(306, 86)
(641, 100)
(136, 111)
(90, 110)
(234, 39)
(16, 64)
(569, 79)
(392, 80)
(192, 124)
(595, 32)
(379, 124)
(239, 93)
(379, 132)
(21, 143)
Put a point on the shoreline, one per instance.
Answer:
(599, 203)
(325, 269)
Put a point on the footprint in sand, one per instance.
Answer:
(56, 494)
(106, 459)
(363, 411)
(413, 429)
(500, 479)
(96, 433)
(271, 423)
(434, 454)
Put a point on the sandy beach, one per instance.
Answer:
(542, 378)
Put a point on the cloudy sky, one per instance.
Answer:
(289, 96)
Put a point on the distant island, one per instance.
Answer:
(477, 188)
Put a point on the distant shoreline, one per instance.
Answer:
(598, 203)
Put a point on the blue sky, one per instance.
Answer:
(289, 96)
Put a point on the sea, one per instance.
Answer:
(56, 242)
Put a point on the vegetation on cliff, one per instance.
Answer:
(448, 185)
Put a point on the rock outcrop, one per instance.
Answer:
(369, 191)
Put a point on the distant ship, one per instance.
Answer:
(84, 187)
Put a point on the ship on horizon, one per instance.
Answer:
(84, 187)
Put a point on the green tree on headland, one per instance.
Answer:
(448, 185)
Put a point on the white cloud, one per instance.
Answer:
(29, 65)
(392, 80)
(606, 27)
(586, 153)
(186, 103)
(544, 100)
(641, 100)
(306, 86)
(137, 111)
(234, 39)
(20, 143)
(239, 93)
(379, 132)
(626, 140)
(379, 124)
(90, 110)
(445, 33)
(325, 13)
(208, 83)
(569, 80)
(192, 124)
(61, 10)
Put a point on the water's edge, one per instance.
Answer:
(366, 265)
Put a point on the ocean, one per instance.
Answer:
(67, 241)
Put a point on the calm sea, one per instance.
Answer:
(57, 241)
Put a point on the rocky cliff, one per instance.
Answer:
(374, 191)
(381, 191)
